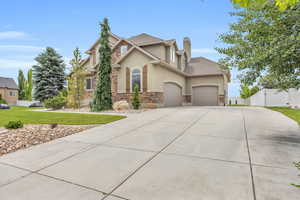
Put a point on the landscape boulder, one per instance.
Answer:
(121, 105)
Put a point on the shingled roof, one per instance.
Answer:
(144, 39)
(8, 83)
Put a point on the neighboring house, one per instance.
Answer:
(167, 75)
(9, 90)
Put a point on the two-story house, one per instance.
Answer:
(167, 75)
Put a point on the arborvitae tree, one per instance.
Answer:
(48, 75)
(75, 81)
(136, 97)
(22, 85)
(102, 95)
(28, 89)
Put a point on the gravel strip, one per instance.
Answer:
(30, 135)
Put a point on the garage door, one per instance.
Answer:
(205, 96)
(172, 94)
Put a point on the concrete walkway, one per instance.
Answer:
(186, 153)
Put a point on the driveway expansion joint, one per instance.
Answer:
(155, 155)
(249, 155)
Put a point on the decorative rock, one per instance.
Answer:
(121, 105)
(30, 135)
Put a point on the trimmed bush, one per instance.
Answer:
(56, 102)
(136, 97)
(14, 125)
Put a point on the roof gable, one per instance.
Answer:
(145, 38)
(203, 66)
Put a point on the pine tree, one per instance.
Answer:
(75, 81)
(22, 85)
(48, 75)
(102, 95)
(136, 97)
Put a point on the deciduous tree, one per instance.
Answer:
(76, 81)
(263, 41)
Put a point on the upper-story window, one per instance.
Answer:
(123, 50)
(136, 78)
(172, 54)
(88, 83)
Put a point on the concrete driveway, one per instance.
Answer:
(186, 153)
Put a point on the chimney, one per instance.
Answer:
(187, 47)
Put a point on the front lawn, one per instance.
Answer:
(290, 112)
(27, 116)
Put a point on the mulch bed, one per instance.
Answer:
(30, 135)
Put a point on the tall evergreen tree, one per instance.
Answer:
(22, 85)
(75, 81)
(48, 75)
(29, 85)
(102, 95)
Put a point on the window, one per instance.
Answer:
(12, 93)
(123, 50)
(136, 78)
(88, 83)
(172, 54)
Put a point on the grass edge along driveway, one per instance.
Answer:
(27, 116)
(290, 112)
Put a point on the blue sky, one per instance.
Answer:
(26, 27)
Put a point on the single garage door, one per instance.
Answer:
(172, 94)
(205, 96)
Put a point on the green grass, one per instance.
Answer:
(27, 116)
(290, 112)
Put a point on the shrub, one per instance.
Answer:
(2, 101)
(14, 125)
(56, 102)
(136, 97)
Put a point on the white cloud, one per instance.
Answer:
(12, 35)
(20, 48)
(204, 50)
(15, 64)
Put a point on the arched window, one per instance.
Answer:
(136, 78)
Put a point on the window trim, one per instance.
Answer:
(141, 78)
(91, 79)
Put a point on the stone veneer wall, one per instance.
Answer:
(151, 99)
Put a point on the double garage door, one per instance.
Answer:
(205, 96)
(201, 95)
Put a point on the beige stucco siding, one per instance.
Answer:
(6, 95)
(159, 75)
(158, 50)
(208, 80)
(134, 60)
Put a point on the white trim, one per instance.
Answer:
(123, 50)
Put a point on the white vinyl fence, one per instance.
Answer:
(237, 101)
(274, 97)
(25, 103)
